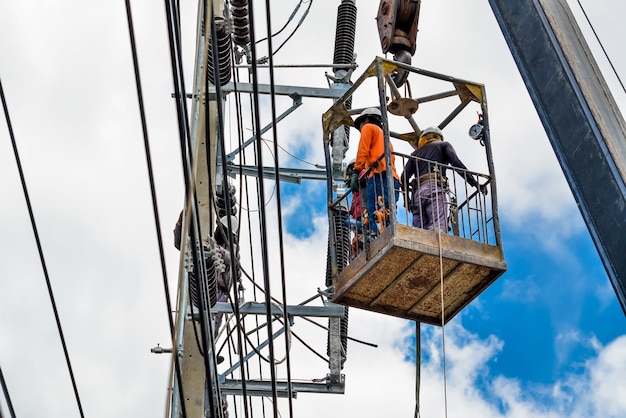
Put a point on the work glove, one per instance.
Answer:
(483, 189)
(354, 182)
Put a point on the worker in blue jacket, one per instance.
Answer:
(429, 187)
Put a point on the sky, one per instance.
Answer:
(548, 339)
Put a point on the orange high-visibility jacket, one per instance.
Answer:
(372, 146)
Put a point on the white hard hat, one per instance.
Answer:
(432, 130)
(371, 112)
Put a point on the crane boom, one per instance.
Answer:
(580, 116)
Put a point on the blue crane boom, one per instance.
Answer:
(580, 116)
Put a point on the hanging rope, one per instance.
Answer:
(443, 331)
(443, 307)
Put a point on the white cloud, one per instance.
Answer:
(472, 389)
(606, 380)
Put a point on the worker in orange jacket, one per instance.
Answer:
(371, 149)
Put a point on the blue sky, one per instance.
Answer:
(544, 308)
(541, 297)
(548, 339)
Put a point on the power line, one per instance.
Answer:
(157, 222)
(286, 323)
(7, 397)
(290, 19)
(40, 250)
(262, 212)
(149, 163)
(293, 32)
(602, 46)
(306, 12)
(239, 113)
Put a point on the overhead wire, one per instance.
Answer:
(146, 141)
(248, 211)
(293, 155)
(200, 277)
(262, 214)
(286, 323)
(601, 46)
(207, 331)
(262, 211)
(290, 19)
(172, 12)
(273, 52)
(269, 199)
(153, 188)
(256, 286)
(240, 139)
(7, 397)
(306, 12)
(212, 34)
(256, 113)
(40, 251)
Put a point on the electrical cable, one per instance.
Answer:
(255, 349)
(311, 349)
(306, 12)
(152, 188)
(356, 340)
(172, 12)
(7, 397)
(248, 217)
(275, 51)
(292, 334)
(242, 185)
(40, 250)
(269, 199)
(262, 214)
(149, 166)
(293, 14)
(203, 293)
(256, 112)
(292, 155)
(286, 323)
(602, 46)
